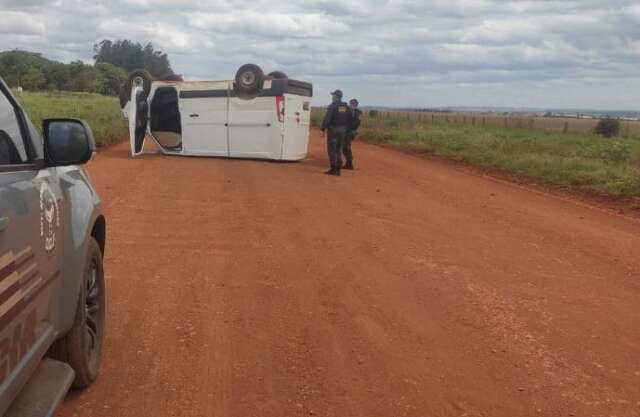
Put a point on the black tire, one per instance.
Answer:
(123, 95)
(172, 77)
(249, 80)
(82, 346)
(142, 76)
(277, 75)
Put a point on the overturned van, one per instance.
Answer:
(252, 116)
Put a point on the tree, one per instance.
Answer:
(111, 77)
(16, 65)
(32, 79)
(608, 127)
(132, 56)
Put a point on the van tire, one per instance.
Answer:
(125, 92)
(123, 96)
(249, 80)
(277, 75)
(73, 348)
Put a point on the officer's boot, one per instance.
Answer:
(348, 165)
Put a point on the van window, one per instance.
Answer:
(12, 150)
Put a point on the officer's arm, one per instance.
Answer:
(327, 117)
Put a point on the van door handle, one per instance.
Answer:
(4, 223)
(194, 115)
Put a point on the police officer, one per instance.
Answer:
(336, 122)
(352, 132)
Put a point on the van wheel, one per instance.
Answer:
(123, 96)
(249, 80)
(82, 346)
(138, 77)
(277, 75)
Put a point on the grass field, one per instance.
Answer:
(101, 112)
(628, 128)
(576, 160)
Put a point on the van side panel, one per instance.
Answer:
(297, 120)
(204, 130)
(254, 129)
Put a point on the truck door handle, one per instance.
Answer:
(4, 223)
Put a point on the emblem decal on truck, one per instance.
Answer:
(20, 282)
(49, 216)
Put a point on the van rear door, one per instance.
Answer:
(138, 119)
(297, 119)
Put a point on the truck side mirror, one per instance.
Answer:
(68, 142)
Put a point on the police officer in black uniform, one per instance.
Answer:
(336, 122)
(352, 132)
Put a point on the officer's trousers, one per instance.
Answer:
(334, 146)
(346, 145)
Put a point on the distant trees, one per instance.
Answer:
(608, 127)
(31, 71)
(113, 62)
(132, 56)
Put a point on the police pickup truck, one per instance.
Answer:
(52, 240)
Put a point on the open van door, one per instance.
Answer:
(138, 119)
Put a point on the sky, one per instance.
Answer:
(543, 54)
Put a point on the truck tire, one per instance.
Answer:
(277, 75)
(81, 347)
(123, 96)
(138, 76)
(249, 80)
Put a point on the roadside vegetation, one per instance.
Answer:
(576, 160)
(101, 112)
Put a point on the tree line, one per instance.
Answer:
(113, 61)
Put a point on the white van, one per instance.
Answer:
(253, 116)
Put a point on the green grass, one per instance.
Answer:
(579, 160)
(101, 112)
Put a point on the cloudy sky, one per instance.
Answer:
(543, 53)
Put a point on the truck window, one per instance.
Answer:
(12, 150)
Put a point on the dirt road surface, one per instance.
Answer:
(409, 287)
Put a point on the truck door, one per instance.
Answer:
(30, 247)
(138, 119)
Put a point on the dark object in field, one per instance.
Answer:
(608, 127)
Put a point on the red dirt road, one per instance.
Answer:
(406, 288)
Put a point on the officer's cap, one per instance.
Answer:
(337, 93)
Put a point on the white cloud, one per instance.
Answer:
(405, 52)
(19, 23)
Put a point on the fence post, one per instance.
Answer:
(565, 129)
(506, 122)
